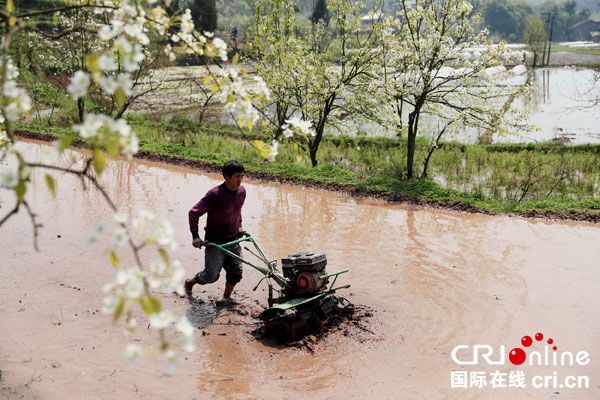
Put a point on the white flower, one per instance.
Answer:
(140, 221)
(287, 132)
(183, 325)
(157, 270)
(120, 217)
(108, 83)
(135, 30)
(160, 320)
(133, 279)
(109, 287)
(111, 302)
(9, 179)
(4, 140)
(262, 88)
(10, 89)
(96, 231)
(157, 267)
(303, 126)
(147, 215)
(172, 360)
(24, 100)
(129, 64)
(120, 237)
(188, 344)
(124, 83)
(122, 277)
(129, 145)
(221, 47)
(273, 151)
(123, 44)
(139, 224)
(174, 278)
(134, 288)
(164, 234)
(187, 25)
(12, 111)
(91, 124)
(79, 84)
(133, 353)
(106, 62)
(105, 33)
(121, 127)
(12, 71)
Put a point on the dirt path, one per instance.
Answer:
(435, 280)
(566, 58)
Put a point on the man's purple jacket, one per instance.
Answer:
(224, 209)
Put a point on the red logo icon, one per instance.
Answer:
(517, 356)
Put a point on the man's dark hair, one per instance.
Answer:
(231, 167)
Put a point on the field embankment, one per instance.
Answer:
(543, 181)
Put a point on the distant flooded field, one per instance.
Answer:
(562, 109)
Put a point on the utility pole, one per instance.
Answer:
(550, 40)
(546, 29)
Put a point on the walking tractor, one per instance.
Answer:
(300, 298)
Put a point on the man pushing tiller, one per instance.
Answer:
(223, 206)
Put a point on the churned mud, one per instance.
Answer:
(290, 330)
(340, 188)
(351, 321)
(423, 282)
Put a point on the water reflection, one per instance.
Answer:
(562, 109)
(434, 279)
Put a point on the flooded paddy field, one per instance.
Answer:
(432, 280)
(563, 107)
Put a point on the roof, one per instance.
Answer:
(581, 23)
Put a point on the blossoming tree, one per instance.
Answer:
(310, 70)
(124, 36)
(434, 63)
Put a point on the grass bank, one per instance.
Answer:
(576, 50)
(556, 180)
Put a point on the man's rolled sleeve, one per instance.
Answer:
(201, 208)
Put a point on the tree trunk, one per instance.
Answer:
(281, 112)
(313, 145)
(412, 136)
(313, 155)
(320, 128)
(80, 109)
(122, 110)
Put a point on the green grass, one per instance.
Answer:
(497, 177)
(577, 50)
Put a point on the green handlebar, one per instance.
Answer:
(269, 272)
(333, 274)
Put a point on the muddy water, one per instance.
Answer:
(434, 279)
(562, 108)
